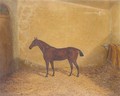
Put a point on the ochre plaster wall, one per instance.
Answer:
(115, 29)
(61, 25)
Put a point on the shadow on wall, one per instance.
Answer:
(97, 56)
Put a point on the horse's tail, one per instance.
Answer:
(81, 53)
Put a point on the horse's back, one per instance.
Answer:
(64, 53)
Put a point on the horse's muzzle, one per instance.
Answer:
(30, 48)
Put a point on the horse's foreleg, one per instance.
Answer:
(52, 65)
(47, 68)
(71, 66)
(76, 65)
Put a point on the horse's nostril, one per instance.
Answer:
(29, 48)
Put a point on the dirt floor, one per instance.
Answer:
(101, 81)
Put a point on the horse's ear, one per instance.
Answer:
(35, 37)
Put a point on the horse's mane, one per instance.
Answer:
(44, 43)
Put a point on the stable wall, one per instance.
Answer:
(115, 24)
(63, 24)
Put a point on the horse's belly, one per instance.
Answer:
(59, 58)
(60, 54)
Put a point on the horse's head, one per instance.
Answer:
(34, 43)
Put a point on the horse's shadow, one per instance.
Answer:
(41, 70)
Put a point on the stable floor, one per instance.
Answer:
(101, 81)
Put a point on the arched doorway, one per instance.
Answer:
(6, 53)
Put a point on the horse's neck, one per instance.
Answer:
(43, 46)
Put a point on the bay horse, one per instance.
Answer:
(52, 54)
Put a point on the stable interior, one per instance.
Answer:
(84, 24)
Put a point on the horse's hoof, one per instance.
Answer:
(69, 75)
(77, 76)
(53, 75)
(46, 76)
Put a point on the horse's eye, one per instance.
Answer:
(34, 43)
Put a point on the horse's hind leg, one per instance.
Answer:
(76, 65)
(71, 66)
(52, 65)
